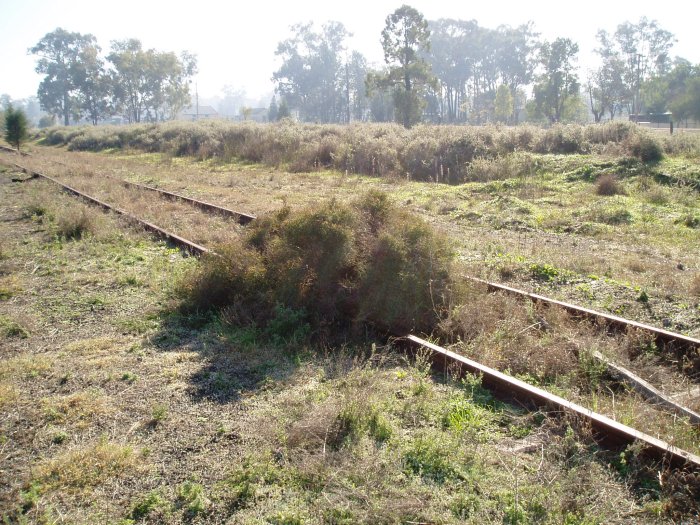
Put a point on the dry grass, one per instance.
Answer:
(8, 395)
(608, 185)
(25, 366)
(79, 408)
(438, 153)
(695, 286)
(247, 432)
(74, 223)
(178, 217)
(84, 468)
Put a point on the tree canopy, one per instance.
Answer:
(558, 81)
(60, 54)
(405, 38)
(317, 77)
(133, 82)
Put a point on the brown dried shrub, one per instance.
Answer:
(608, 185)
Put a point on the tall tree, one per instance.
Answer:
(516, 60)
(660, 92)
(92, 84)
(452, 57)
(643, 50)
(149, 85)
(356, 101)
(404, 38)
(503, 105)
(607, 88)
(16, 127)
(558, 80)
(313, 77)
(59, 54)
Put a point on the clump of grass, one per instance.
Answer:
(152, 505)
(695, 285)
(36, 207)
(689, 220)
(86, 467)
(159, 413)
(28, 367)
(333, 267)
(8, 395)
(192, 497)
(610, 214)
(11, 329)
(79, 407)
(72, 223)
(502, 167)
(657, 195)
(607, 185)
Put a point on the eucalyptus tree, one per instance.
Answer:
(453, 53)
(516, 60)
(642, 50)
(316, 76)
(405, 38)
(60, 53)
(148, 84)
(92, 83)
(558, 81)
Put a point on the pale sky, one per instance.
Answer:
(235, 41)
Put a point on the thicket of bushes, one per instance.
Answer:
(439, 153)
(349, 269)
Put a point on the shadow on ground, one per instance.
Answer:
(235, 361)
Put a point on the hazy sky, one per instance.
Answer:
(235, 41)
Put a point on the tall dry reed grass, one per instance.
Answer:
(425, 153)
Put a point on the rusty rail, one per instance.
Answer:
(242, 218)
(606, 430)
(660, 335)
(181, 242)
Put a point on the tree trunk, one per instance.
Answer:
(66, 110)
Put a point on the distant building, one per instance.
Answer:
(198, 113)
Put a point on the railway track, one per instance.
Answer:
(661, 336)
(607, 431)
(240, 217)
(182, 243)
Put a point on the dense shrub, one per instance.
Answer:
(645, 147)
(425, 153)
(342, 268)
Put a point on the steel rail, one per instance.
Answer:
(181, 242)
(242, 218)
(606, 431)
(660, 335)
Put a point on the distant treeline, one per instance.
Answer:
(455, 71)
(452, 154)
(442, 71)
